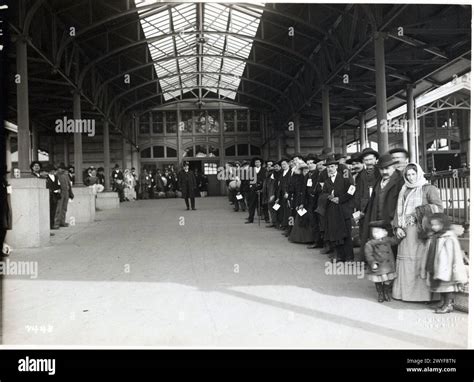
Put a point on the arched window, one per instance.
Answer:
(158, 151)
(171, 152)
(146, 153)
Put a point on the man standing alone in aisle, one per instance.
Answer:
(187, 184)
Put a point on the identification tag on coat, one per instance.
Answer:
(272, 177)
(309, 183)
(276, 206)
(370, 192)
(239, 197)
(356, 215)
(351, 190)
(9, 189)
(302, 211)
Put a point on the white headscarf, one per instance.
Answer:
(406, 204)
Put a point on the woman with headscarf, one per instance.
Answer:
(416, 192)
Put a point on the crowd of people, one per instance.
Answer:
(129, 186)
(364, 207)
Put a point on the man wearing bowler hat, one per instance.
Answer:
(255, 187)
(187, 185)
(383, 202)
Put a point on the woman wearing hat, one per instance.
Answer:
(301, 231)
(415, 192)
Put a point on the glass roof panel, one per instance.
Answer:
(226, 31)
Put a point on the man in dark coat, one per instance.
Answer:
(117, 182)
(66, 194)
(383, 202)
(255, 188)
(187, 185)
(339, 192)
(311, 195)
(366, 181)
(54, 187)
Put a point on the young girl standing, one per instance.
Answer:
(444, 271)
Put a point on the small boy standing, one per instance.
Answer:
(380, 259)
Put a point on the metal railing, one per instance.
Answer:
(454, 187)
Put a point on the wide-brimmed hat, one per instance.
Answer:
(327, 152)
(312, 157)
(369, 151)
(386, 160)
(339, 156)
(355, 157)
(62, 166)
(332, 161)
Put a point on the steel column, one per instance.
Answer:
(107, 171)
(363, 132)
(23, 117)
(412, 130)
(381, 93)
(78, 159)
(297, 134)
(326, 118)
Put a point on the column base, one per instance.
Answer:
(82, 208)
(30, 213)
(107, 200)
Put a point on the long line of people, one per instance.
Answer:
(376, 209)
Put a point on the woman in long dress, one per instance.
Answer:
(409, 286)
(130, 183)
(301, 231)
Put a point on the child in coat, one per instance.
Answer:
(380, 259)
(444, 268)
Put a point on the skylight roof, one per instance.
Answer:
(219, 48)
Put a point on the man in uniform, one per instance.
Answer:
(255, 188)
(187, 184)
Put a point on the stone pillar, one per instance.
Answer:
(30, 213)
(363, 132)
(326, 118)
(23, 117)
(412, 128)
(297, 134)
(107, 171)
(381, 93)
(78, 160)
